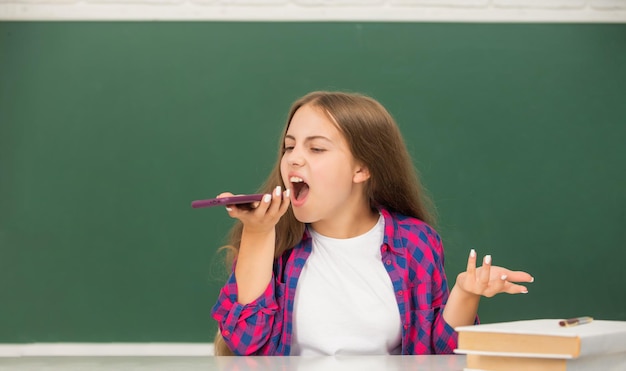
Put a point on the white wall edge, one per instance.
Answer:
(197, 12)
(108, 349)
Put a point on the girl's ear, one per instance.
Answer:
(361, 174)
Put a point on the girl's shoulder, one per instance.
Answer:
(412, 234)
(403, 225)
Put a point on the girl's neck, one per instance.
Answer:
(347, 225)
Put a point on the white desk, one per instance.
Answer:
(343, 363)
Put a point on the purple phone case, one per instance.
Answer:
(232, 200)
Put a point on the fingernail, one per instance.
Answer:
(287, 193)
(525, 291)
(472, 253)
(267, 198)
(229, 209)
(277, 191)
(487, 259)
(503, 277)
(532, 279)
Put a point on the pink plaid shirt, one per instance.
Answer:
(412, 254)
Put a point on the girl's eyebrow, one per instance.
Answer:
(308, 139)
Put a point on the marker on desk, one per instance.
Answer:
(575, 321)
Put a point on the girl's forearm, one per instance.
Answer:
(253, 269)
(461, 308)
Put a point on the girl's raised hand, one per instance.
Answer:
(489, 280)
(263, 215)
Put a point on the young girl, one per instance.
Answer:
(339, 256)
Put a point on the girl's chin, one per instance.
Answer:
(302, 217)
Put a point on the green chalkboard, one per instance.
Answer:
(108, 130)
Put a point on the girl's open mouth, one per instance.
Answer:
(299, 188)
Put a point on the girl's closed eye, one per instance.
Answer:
(317, 150)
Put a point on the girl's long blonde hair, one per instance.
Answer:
(376, 141)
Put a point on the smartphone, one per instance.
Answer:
(244, 201)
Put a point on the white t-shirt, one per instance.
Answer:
(345, 303)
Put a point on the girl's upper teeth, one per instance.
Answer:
(296, 179)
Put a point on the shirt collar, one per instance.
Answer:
(394, 244)
(391, 226)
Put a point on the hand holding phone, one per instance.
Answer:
(245, 201)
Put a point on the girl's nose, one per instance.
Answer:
(294, 157)
(295, 160)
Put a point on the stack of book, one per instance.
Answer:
(544, 344)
